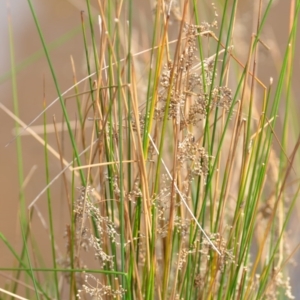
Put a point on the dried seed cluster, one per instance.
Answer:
(184, 85)
(226, 256)
(86, 209)
(222, 97)
(98, 290)
(135, 192)
(182, 257)
(279, 281)
(194, 155)
(162, 205)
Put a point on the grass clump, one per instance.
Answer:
(174, 199)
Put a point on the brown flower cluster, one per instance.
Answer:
(186, 82)
(192, 153)
(85, 209)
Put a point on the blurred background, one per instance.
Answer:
(61, 25)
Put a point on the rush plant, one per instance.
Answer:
(173, 197)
